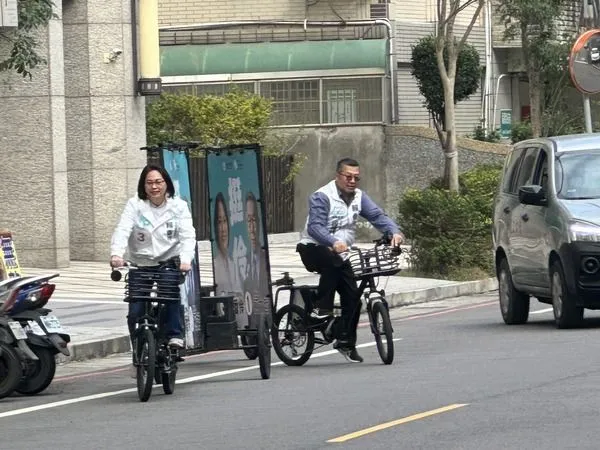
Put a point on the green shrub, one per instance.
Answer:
(234, 118)
(449, 231)
(520, 131)
(480, 134)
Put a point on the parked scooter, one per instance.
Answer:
(23, 300)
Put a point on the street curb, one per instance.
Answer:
(121, 344)
(399, 299)
(95, 349)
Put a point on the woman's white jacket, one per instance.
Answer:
(145, 239)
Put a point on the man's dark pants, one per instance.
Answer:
(336, 275)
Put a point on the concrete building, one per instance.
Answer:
(70, 136)
(329, 62)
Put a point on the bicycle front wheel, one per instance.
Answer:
(146, 360)
(382, 328)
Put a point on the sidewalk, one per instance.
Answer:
(90, 306)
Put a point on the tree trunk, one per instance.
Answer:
(450, 151)
(451, 154)
(535, 103)
(535, 85)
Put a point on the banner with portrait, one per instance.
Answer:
(176, 164)
(240, 253)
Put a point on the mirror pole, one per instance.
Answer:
(587, 113)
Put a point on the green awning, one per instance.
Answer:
(178, 60)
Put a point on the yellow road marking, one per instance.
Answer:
(393, 423)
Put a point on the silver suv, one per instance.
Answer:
(546, 229)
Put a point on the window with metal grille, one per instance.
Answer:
(294, 101)
(309, 101)
(352, 100)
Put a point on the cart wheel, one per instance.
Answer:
(251, 353)
(264, 348)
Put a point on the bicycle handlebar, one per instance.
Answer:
(386, 240)
(116, 274)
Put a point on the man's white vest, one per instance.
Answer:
(342, 218)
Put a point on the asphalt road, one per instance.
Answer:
(461, 380)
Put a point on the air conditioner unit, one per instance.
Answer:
(379, 10)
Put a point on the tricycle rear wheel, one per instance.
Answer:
(290, 330)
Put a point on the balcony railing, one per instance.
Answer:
(269, 33)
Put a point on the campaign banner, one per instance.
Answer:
(9, 263)
(176, 164)
(239, 239)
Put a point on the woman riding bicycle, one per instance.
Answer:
(155, 227)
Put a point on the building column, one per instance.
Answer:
(105, 121)
(34, 168)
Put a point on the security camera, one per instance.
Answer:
(112, 55)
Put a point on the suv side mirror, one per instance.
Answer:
(532, 195)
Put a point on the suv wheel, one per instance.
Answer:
(514, 304)
(566, 313)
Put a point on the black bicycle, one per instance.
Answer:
(153, 358)
(293, 331)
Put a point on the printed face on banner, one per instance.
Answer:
(239, 259)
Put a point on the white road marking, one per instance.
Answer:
(86, 398)
(541, 311)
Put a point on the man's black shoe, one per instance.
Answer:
(349, 352)
(354, 356)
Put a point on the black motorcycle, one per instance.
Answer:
(23, 300)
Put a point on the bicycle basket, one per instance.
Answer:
(152, 285)
(374, 262)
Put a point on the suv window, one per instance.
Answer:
(512, 166)
(526, 169)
